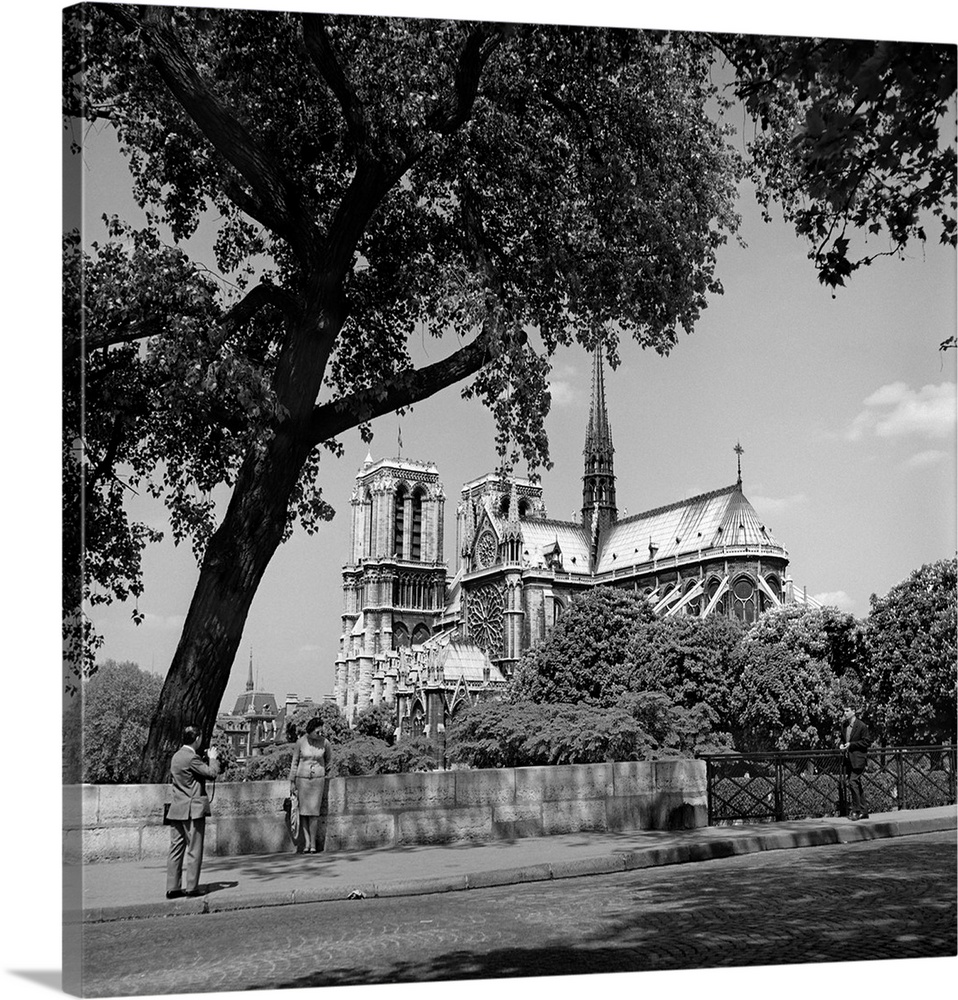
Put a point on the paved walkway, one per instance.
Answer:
(126, 890)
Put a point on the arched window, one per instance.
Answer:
(764, 601)
(420, 634)
(694, 607)
(710, 590)
(399, 520)
(418, 719)
(744, 603)
(415, 550)
(368, 524)
(401, 636)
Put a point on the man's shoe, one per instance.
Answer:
(863, 815)
(174, 893)
(193, 893)
(853, 815)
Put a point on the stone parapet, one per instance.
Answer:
(125, 822)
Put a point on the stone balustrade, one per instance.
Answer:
(125, 822)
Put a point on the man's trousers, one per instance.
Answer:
(186, 840)
(853, 781)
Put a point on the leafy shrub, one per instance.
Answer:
(525, 733)
(369, 755)
(378, 721)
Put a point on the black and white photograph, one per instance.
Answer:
(505, 505)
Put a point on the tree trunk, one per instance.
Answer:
(240, 550)
(235, 560)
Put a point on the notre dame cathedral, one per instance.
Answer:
(427, 643)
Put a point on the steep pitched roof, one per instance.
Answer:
(707, 521)
(255, 703)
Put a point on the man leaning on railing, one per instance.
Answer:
(854, 746)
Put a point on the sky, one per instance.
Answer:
(843, 403)
(833, 401)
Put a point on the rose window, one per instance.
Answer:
(485, 619)
(486, 550)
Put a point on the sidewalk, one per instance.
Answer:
(127, 890)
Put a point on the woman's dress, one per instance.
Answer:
(308, 771)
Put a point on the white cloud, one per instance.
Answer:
(835, 599)
(896, 410)
(564, 392)
(924, 458)
(766, 505)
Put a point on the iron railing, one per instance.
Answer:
(796, 784)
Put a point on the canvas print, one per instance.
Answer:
(509, 489)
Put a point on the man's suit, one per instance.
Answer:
(189, 807)
(856, 758)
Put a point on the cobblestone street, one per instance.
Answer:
(882, 899)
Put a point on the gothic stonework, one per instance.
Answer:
(485, 619)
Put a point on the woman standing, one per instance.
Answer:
(312, 756)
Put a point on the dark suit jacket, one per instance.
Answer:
(189, 774)
(858, 742)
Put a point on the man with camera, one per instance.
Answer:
(189, 807)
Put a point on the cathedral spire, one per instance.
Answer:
(598, 479)
(249, 680)
(739, 451)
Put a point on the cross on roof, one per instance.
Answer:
(739, 451)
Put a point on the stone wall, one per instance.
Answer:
(124, 822)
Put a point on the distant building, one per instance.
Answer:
(256, 723)
(426, 644)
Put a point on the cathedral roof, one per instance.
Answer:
(711, 520)
(465, 660)
(541, 536)
(461, 659)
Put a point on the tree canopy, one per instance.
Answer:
(106, 725)
(852, 142)
(512, 188)
(586, 656)
(910, 682)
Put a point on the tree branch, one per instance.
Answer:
(259, 295)
(410, 386)
(254, 300)
(276, 204)
(453, 110)
(320, 49)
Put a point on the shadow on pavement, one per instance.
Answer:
(207, 887)
(845, 910)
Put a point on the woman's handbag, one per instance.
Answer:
(291, 808)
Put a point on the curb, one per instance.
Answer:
(750, 842)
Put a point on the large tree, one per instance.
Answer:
(105, 725)
(588, 655)
(471, 179)
(371, 178)
(798, 666)
(911, 675)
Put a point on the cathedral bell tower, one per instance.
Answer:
(598, 479)
(394, 585)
